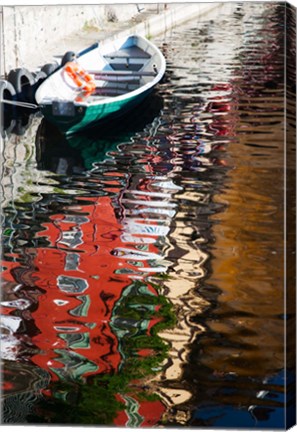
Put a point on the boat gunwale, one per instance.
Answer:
(133, 93)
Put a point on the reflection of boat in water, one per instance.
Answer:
(60, 154)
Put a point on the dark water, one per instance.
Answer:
(143, 280)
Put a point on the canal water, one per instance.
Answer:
(143, 262)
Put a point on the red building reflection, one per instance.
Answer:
(78, 278)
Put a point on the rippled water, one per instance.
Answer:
(143, 277)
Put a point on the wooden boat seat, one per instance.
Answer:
(111, 91)
(134, 52)
(121, 75)
(133, 67)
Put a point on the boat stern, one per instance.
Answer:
(66, 115)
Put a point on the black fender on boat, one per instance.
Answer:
(49, 68)
(39, 76)
(68, 57)
(22, 81)
(7, 90)
(7, 123)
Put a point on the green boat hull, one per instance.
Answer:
(86, 117)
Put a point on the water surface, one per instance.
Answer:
(143, 279)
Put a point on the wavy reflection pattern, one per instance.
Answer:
(134, 265)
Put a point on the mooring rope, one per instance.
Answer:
(19, 103)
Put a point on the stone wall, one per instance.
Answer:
(28, 30)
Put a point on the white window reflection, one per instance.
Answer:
(72, 238)
(72, 285)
